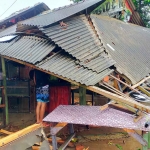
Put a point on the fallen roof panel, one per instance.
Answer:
(128, 45)
(61, 13)
(79, 39)
(91, 115)
(65, 65)
(35, 50)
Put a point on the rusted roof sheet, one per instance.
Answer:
(91, 115)
(28, 48)
(128, 45)
(79, 39)
(64, 65)
(61, 13)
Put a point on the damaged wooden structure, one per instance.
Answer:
(84, 49)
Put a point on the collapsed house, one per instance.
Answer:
(83, 49)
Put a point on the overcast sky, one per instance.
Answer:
(20, 4)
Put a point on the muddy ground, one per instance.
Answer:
(96, 138)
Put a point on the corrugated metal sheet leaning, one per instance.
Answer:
(127, 44)
(61, 13)
(64, 65)
(28, 48)
(78, 39)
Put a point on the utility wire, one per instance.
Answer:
(9, 8)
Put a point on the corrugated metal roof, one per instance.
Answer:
(61, 13)
(35, 50)
(40, 7)
(5, 45)
(28, 48)
(65, 65)
(128, 45)
(79, 40)
(8, 31)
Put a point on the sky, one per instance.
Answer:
(20, 4)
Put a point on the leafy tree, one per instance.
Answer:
(143, 7)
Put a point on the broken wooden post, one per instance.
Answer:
(82, 95)
(5, 90)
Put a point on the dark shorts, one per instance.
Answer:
(42, 94)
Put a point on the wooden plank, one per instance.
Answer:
(138, 118)
(18, 134)
(5, 132)
(118, 98)
(139, 83)
(144, 90)
(106, 105)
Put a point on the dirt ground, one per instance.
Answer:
(96, 138)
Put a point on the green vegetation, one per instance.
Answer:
(143, 7)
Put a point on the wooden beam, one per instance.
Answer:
(139, 83)
(82, 95)
(5, 91)
(118, 98)
(144, 90)
(18, 134)
(92, 88)
(5, 132)
(127, 85)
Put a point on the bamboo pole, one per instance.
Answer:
(144, 90)
(5, 90)
(142, 81)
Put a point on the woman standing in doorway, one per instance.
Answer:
(41, 81)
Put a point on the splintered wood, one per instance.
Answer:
(18, 134)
